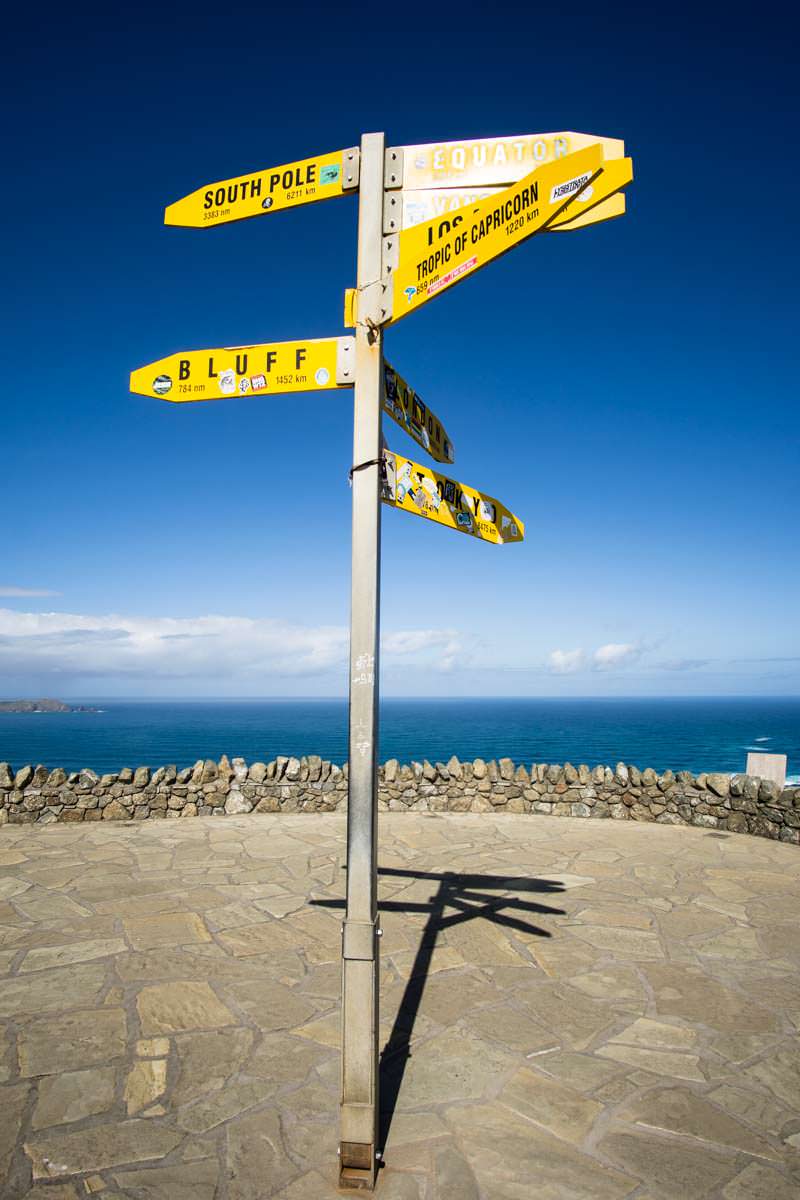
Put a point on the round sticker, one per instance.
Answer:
(267, 202)
(162, 384)
(322, 376)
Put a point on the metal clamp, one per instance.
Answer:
(372, 462)
(393, 168)
(351, 160)
(374, 304)
(345, 361)
(392, 212)
(358, 937)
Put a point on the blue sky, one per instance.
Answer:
(630, 390)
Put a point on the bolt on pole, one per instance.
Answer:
(360, 964)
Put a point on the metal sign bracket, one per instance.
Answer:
(345, 360)
(393, 168)
(351, 169)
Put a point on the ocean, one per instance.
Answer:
(681, 734)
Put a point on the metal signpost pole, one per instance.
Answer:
(359, 1102)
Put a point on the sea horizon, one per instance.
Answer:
(667, 732)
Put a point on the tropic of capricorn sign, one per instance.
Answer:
(428, 217)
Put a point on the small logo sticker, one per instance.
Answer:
(567, 188)
(258, 382)
(227, 381)
(266, 202)
(330, 173)
(244, 385)
(162, 384)
(410, 291)
(322, 376)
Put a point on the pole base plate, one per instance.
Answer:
(358, 1166)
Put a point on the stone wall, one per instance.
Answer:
(738, 803)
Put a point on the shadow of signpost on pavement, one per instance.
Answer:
(465, 894)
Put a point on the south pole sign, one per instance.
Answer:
(429, 216)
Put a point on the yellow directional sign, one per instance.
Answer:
(405, 407)
(266, 191)
(601, 196)
(424, 205)
(269, 369)
(425, 493)
(605, 210)
(428, 259)
(484, 162)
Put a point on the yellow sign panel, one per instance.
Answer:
(269, 369)
(426, 204)
(484, 162)
(606, 210)
(432, 257)
(601, 192)
(425, 493)
(266, 191)
(405, 407)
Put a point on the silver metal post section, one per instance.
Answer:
(359, 1106)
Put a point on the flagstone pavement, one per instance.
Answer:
(571, 1009)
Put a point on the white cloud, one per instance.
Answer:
(218, 647)
(615, 654)
(605, 658)
(566, 662)
(445, 642)
(19, 592)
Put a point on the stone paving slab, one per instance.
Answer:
(570, 1011)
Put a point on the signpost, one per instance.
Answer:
(418, 207)
(266, 191)
(424, 261)
(405, 407)
(272, 368)
(483, 198)
(426, 493)
(483, 162)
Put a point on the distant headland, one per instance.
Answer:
(42, 706)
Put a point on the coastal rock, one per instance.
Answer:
(236, 803)
(6, 776)
(23, 777)
(719, 784)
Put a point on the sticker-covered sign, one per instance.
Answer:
(429, 258)
(269, 369)
(266, 191)
(486, 162)
(405, 407)
(425, 493)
